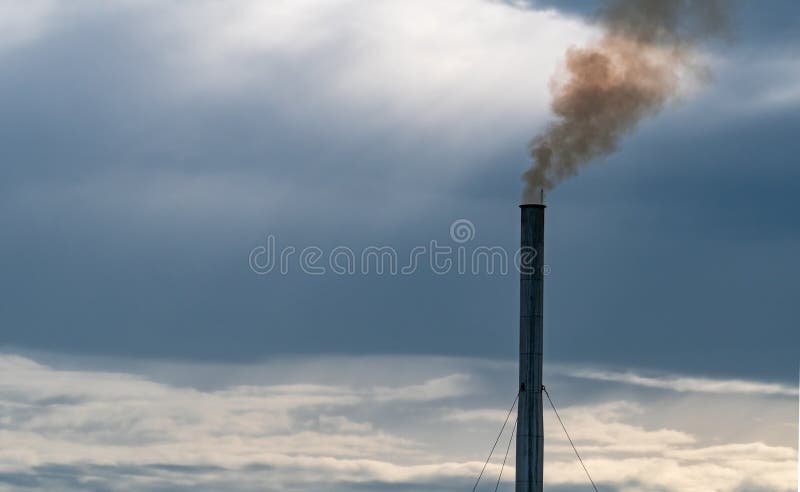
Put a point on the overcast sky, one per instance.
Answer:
(148, 147)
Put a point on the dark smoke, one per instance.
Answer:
(630, 73)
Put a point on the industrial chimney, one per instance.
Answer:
(530, 426)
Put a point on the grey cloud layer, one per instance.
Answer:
(686, 384)
(63, 427)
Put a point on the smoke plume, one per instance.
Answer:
(630, 73)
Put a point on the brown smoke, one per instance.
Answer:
(630, 73)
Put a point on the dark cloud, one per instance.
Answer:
(130, 208)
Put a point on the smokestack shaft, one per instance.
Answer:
(530, 433)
